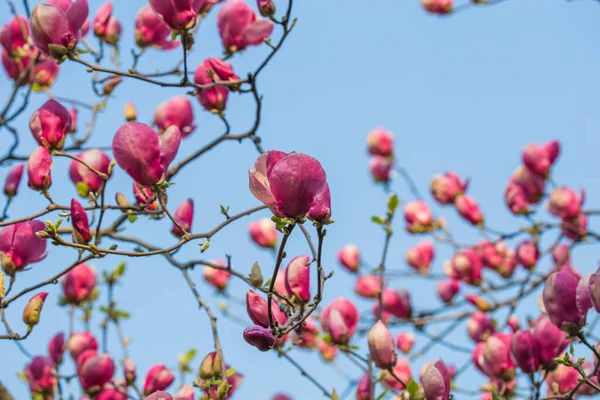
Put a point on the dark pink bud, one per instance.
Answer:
(402, 371)
(94, 371)
(480, 326)
(340, 319)
(81, 225)
(217, 278)
(349, 257)
(528, 254)
(240, 27)
(381, 346)
(437, 6)
(395, 303)
(113, 31)
(496, 356)
(256, 306)
(177, 15)
(79, 284)
(287, 183)
(259, 337)
(418, 216)
(363, 390)
(560, 301)
(39, 167)
(466, 266)
(176, 111)
(381, 142)
(211, 70)
(266, 7)
(367, 286)
(150, 30)
(86, 180)
(20, 246)
(405, 341)
(380, 168)
(11, 185)
(50, 125)
(565, 203)
(436, 382)
(448, 289)
(469, 209)
(158, 378)
(594, 290)
(41, 376)
(263, 233)
(55, 26)
(80, 343)
(446, 187)
(575, 228)
(144, 154)
(56, 347)
(524, 351)
(539, 159)
(184, 216)
(420, 256)
(297, 278)
(101, 19)
(551, 341)
(14, 36)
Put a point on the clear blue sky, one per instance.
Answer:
(465, 93)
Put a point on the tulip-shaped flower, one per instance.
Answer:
(418, 217)
(41, 377)
(50, 125)
(178, 112)
(184, 216)
(405, 341)
(497, 362)
(214, 71)
(259, 337)
(381, 346)
(94, 371)
(446, 187)
(217, 278)
(33, 309)
(106, 26)
(469, 209)
(80, 343)
(349, 257)
(297, 278)
(565, 203)
(367, 286)
(56, 347)
(86, 180)
(11, 185)
(539, 158)
(340, 319)
(436, 382)
(14, 36)
(240, 27)
(144, 154)
(420, 256)
(560, 301)
(159, 377)
(257, 308)
(263, 233)
(524, 350)
(20, 246)
(150, 30)
(39, 166)
(550, 340)
(528, 254)
(78, 284)
(178, 15)
(81, 225)
(289, 184)
(446, 290)
(55, 26)
(381, 142)
(381, 168)
(466, 266)
(480, 326)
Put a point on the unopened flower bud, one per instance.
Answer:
(381, 346)
(33, 309)
(130, 112)
(111, 85)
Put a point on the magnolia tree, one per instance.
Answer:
(552, 354)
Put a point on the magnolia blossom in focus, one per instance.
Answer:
(78, 284)
(20, 246)
(436, 382)
(178, 15)
(561, 302)
(50, 125)
(86, 180)
(213, 71)
(240, 27)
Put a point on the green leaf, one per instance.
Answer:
(224, 209)
(58, 223)
(122, 314)
(382, 395)
(412, 387)
(378, 220)
(571, 349)
(119, 271)
(204, 246)
(230, 372)
(393, 203)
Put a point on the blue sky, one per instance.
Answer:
(463, 93)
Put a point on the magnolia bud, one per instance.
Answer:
(111, 85)
(33, 309)
(381, 346)
(130, 112)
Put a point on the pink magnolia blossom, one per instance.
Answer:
(33, 309)
(498, 257)
(528, 254)
(144, 154)
(80, 343)
(564, 378)
(420, 256)
(86, 180)
(240, 27)
(266, 7)
(217, 278)
(381, 346)
(380, 168)
(56, 347)
(256, 307)
(550, 340)
(212, 70)
(466, 266)
(259, 337)
(565, 203)
(55, 25)
(184, 216)
(446, 187)
(176, 111)
(575, 228)
(129, 370)
(480, 326)
(469, 209)
(150, 30)
(81, 225)
(14, 36)
(381, 142)
(159, 377)
(289, 184)
(94, 370)
(263, 233)
(186, 393)
(41, 376)
(405, 342)
(497, 362)
(418, 217)
(349, 257)
(446, 290)
(50, 125)
(297, 278)
(560, 301)
(13, 179)
(436, 381)
(73, 113)
(20, 246)
(539, 158)
(524, 350)
(78, 284)
(340, 319)
(394, 303)
(178, 15)
(402, 371)
(367, 286)
(363, 389)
